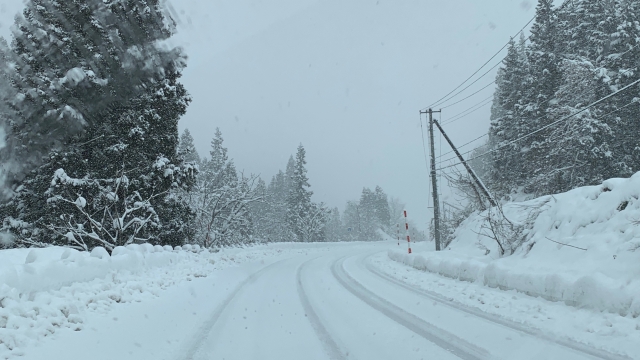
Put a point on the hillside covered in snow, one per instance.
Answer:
(579, 247)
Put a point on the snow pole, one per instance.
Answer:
(406, 226)
(398, 234)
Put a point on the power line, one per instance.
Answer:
(461, 100)
(470, 110)
(464, 115)
(463, 145)
(549, 125)
(447, 97)
(468, 86)
(481, 67)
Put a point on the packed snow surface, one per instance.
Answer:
(280, 301)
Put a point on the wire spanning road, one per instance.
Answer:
(339, 306)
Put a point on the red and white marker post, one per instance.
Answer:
(406, 225)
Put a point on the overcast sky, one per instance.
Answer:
(346, 78)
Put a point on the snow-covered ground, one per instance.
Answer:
(281, 301)
(580, 249)
(48, 293)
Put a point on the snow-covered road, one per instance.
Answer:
(331, 304)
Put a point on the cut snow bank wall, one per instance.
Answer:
(601, 219)
(28, 270)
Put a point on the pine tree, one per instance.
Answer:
(106, 121)
(334, 227)
(132, 160)
(187, 149)
(507, 115)
(352, 221)
(289, 174)
(580, 52)
(78, 62)
(546, 79)
(382, 212)
(368, 217)
(278, 195)
(260, 213)
(222, 200)
(299, 197)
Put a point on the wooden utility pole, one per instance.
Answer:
(436, 201)
(472, 173)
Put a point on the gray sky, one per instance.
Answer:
(346, 78)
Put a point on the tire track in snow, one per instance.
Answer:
(330, 346)
(600, 354)
(203, 332)
(455, 345)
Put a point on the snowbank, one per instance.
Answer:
(581, 248)
(43, 290)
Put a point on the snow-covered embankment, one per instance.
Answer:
(579, 247)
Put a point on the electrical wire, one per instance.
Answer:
(470, 110)
(481, 67)
(468, 86)
(464, 115)
(461, 100)
(447, 97)
(549, 125)
(463, 145)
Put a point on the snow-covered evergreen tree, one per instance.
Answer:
(335, 230)
(508, 120)
(369, 222)
(278, 228)
(352, 221)
(106, 118)
(579, 53)
(305, 218)
(222, 200)
(77, 63)
(382, 212)
(187, 149)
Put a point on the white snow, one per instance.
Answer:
(45, 291)
(581, 249)
(278, 301)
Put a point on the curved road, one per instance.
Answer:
(339, 306)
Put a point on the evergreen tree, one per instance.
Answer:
(222, 200)
(507, 120)
(260, 213)
(278, 194)
(368, 217)
(546, 79)
(131, 167)
(352, 221)
(107, 122)
(299, 197)
(77, 63)
(579, 53)
(187, 149)
(289, 174)
(383, 215)
(334, 228)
